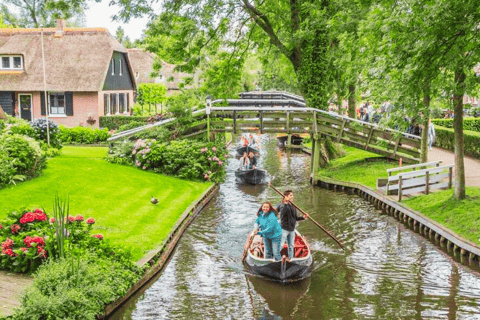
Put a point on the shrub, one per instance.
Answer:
(130, 125)
(158, 133)
(472, 124)
(114, 122)
(29, 159)
(445, 139)
(83, 135)
(40, 127)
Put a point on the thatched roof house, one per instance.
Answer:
(87, 74)
(142, 64)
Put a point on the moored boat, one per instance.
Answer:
(284, 270)
(251, 176)
(246, 149)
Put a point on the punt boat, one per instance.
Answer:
(251, 176)
(246, 149)
(284, 270)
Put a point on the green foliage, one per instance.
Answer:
(194, 160)
(471, 124)
(131, 125)
(444, 138)
(113, 122)
(76, 289)
(23, 154)
(151, 93)
(83, 135)
(158, 133)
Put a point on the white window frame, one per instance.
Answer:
(11, 59)
(120, 67)
(113, 66)
(50, 113)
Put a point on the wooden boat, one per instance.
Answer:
(283, 271)
(246, 149)
(297, 138)
(251, 176)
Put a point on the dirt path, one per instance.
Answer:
(472, 166)
(11, 288)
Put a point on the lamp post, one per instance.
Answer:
(45, 89)
(207, 111)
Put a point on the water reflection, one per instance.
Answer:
(386, 272)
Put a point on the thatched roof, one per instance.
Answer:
(142, 64)
(75, 60)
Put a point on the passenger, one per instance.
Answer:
(244, 162)
(270, 230)
(245, 141)
(288, 219)
(252, 139)
(253, 160)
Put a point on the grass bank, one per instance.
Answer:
(117, 196)
(462, 217)
(354, 167)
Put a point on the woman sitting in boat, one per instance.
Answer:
(253, 160)
(244, 162)
(270, 230)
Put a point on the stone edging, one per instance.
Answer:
(157, 258)
(428, 228)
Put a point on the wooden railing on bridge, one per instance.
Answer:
(384, 141)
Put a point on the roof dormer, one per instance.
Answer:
(11, 62)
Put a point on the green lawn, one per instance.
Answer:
(117, 196)
(462, 217)
(353, 167)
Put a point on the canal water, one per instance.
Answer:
(386, 272)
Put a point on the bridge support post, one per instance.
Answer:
(316, 154)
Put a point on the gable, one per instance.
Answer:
(119, 76)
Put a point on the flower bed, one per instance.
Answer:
(187, 159)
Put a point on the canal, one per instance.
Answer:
(386, 272)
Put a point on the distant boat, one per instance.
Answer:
(283, 271)
(246, 149)
(297, 138)
(251, 176)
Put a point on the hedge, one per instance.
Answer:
(113, 122)
(445, 139)
(83, 135)
(472, 124)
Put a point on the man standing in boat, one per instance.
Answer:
(253, 160)
(288, 220)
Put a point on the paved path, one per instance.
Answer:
(472, 166)
(11, 288)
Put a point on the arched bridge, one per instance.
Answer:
(290, 120)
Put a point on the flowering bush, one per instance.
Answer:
(181, 158)
(28, 238)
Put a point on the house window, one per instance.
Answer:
(57, 103)
(116, 103)
(11, 63)
(113, 67)
(121, 67)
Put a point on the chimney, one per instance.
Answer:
(60, 27)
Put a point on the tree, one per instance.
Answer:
(124, 40)
(34, 13)
(151, 94)
(2, 25)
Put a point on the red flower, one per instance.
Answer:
(42, 253)
(1, 227)
(91, 221)
(70, 219)
(37, 215)
(7, 244)
(38, 211)
(24, 249)
(79, 218)
(9, 252)
(15, 228)
(38, 240)
(52, 220)
(98, 236)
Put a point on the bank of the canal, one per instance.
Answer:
(387, 272)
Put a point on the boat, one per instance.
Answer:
(251, 176)
(297, 138)
(284, 270)
(246, 149)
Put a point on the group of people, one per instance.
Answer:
(249, 161)
(277, 226)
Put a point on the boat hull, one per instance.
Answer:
(283, 272)
(253, 176)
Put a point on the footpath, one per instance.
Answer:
(472, 166)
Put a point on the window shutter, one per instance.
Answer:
(105, 104)
(42, 104)
(69, 103)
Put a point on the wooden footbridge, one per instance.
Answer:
(297, 120)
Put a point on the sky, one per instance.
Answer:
(100, 15)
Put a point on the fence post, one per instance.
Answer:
(450, 173)
(399, 188)
(234, 122)
(261, 121)
(427, 183)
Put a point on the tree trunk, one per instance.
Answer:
(459, 190)
(426, 119)
(351, 100)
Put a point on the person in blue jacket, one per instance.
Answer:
(269, 228)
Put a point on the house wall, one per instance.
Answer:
(101, 100)
(85, 104)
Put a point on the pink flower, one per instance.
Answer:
(134, 151)
(215, 158)
(220, 163)
(144, 167)
(205, 176)
(15, 228)
(1, 227)
(90, 221)
(98, 236)
(203, 150)
(225, 156)
(138, 163)
(209, 158)
(214, 149)
(79, 218)
(52, 220)
(70, 219)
